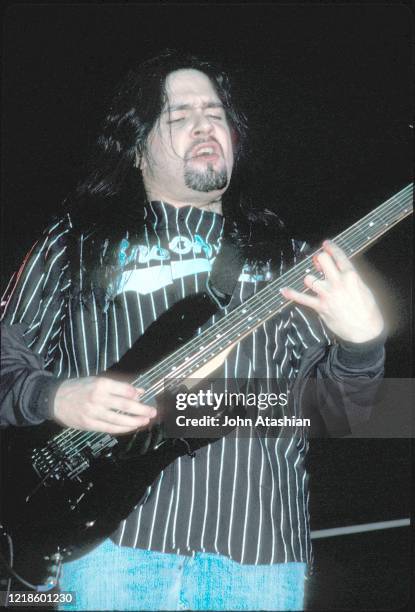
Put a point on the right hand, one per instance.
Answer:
(91, 403)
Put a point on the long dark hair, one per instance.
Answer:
(107, 202)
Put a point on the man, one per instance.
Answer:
(227, 529)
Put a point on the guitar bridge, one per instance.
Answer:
(59, 460)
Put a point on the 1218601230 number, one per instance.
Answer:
(29, 598)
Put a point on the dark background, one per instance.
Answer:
(328, 92)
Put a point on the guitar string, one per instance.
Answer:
(90, 436)
(401, 197)
(259, 297)
(270, 289)
(98, 436)
(341, 236)
(204, 337)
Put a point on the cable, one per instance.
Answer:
(41, 588)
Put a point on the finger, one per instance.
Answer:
(300, 298)
(123, 420)
(129, 406)
(315, 284)
(316, 264)
(110, 428)
(342, 261)
(328, 266)
(116, 387)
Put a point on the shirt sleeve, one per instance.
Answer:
(32, 312)
(337, 381)
(340, 379)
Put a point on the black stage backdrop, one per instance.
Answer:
(327, 88)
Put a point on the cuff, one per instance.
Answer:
(361, 354)
(43, 397)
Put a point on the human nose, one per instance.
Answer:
(202, 124)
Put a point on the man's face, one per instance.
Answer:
(189, 156)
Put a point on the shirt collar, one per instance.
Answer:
(161, 215)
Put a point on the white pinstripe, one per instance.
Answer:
(155, 511)
(207, 498)
(235, 474)
(248, 493)
(168, 519)
(178, 463)
(191, 504)
(26, 280)
(219, 494)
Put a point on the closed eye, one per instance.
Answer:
(175, 120)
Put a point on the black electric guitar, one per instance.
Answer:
(69, 489)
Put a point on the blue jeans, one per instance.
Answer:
(120, 578)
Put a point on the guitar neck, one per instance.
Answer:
(247, 317)
(244, 319)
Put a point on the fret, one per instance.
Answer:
(259, 308)
(269, 301)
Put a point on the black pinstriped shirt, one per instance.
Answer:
(246, 498)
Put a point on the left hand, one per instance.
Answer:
(342, 300)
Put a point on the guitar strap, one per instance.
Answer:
(225, 273)
(186, 316)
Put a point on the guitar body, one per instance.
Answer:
(65, 493)
(72, 516)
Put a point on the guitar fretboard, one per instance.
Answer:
(244, 319)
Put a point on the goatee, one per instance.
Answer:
(205, 180)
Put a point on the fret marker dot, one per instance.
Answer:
(371, 224)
